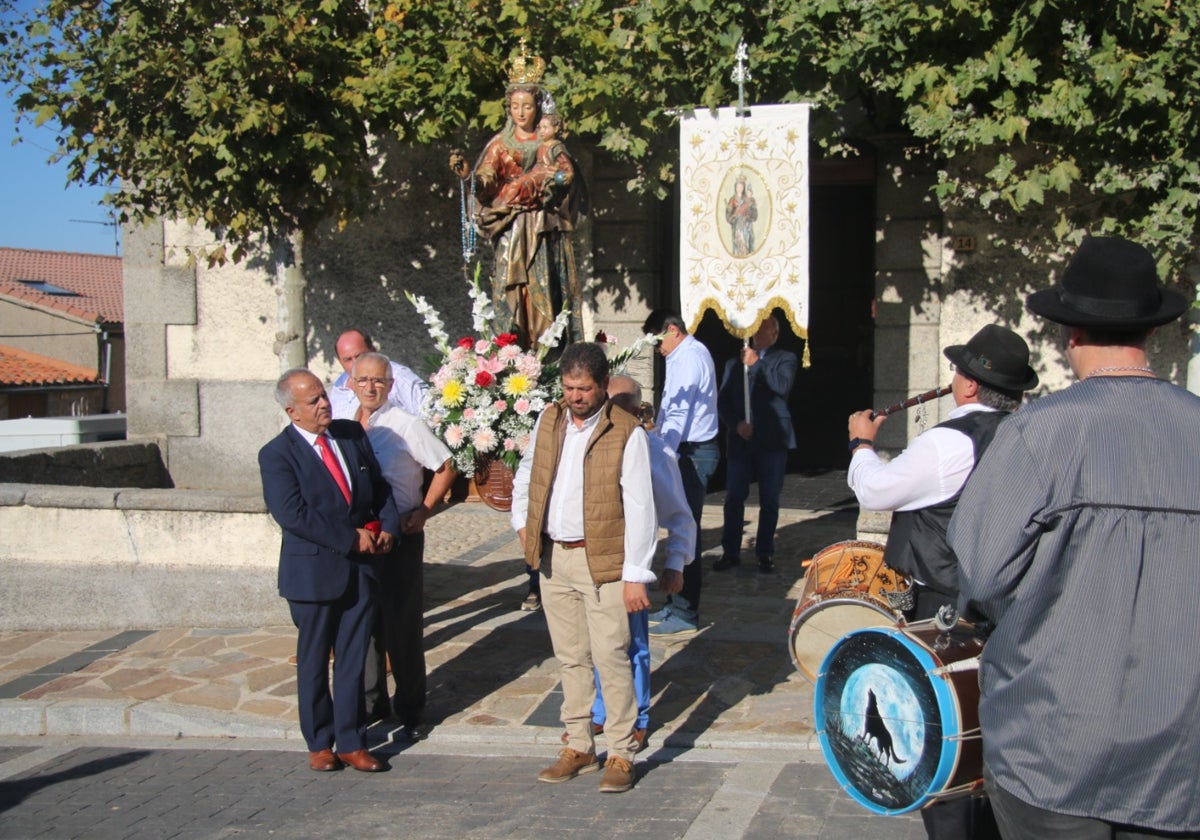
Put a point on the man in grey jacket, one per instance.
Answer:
(1079, 536)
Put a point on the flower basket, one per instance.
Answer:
(494, 483)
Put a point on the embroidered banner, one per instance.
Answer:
(744, 218)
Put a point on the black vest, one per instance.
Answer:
(916, 543)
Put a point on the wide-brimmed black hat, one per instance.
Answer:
(996, 357)
(1110, 283)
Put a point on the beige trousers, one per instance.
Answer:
(588, 624)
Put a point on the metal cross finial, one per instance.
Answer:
(741, 75)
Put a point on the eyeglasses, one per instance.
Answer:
(952, 368)
(363, 381)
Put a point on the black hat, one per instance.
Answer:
(996, 357)
(1110, 283)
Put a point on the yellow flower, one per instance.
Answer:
(453, 393)
(516, 385)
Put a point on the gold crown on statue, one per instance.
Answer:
(526, 69)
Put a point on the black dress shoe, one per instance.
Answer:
(726, 562)
(765, 564)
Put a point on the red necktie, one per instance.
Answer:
(335, 469)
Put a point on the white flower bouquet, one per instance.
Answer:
(486, 391)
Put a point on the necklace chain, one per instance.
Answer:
(1119, 368)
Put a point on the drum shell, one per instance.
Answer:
(818, 624)
(939, 758)
(962, 645)
(848, 579)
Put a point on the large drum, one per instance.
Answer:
(847, 587)
(897, 713)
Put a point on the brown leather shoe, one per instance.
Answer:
(362, 760)
(570, 764)
(639, 735)
(597, 728)
(618, 775)
(323, 761)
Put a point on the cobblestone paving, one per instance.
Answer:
(155, 794)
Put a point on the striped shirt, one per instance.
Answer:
(1079, 535)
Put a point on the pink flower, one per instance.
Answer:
(529, 365)
(482, 346)
(509, 352)
(484, 440)
(509, 444)
(454, 436)
(521, 406)
(484, 379)
(469, 414)
(489, 363)
(500, 405)
(523, 443)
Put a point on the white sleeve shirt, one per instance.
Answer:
(671, 506)
(404, 447)
(933, 468)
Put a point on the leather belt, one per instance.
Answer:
(561, 544)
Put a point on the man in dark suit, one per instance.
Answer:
(757, 444)
(323, 486)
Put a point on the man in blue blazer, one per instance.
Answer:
(758, 445)
(323, 486)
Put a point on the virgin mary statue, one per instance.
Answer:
(528, 199)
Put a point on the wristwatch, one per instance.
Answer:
(857, 442)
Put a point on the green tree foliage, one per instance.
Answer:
(252, 115)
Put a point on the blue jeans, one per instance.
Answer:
(769, 466)
(697, 463)
(639, 658)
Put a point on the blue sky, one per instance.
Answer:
(38, 206)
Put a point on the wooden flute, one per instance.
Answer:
(936, 393)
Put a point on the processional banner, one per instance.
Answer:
(744, 219)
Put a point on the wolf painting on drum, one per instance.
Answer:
(897, 716)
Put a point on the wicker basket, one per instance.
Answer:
(494, 482)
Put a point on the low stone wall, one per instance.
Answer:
(873, 525)
(92, 557)
(113, 464)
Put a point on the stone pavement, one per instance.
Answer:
(729, 690)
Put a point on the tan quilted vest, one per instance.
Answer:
(603, 512)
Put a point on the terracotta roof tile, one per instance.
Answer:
(95, 280)
(20, 367)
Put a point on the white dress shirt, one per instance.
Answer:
(689, 397)
(931, 470)
(408, 392)
(404, 446)
(564, 516)
(671, 505)
(311, 438)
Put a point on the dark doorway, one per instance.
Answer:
(841, 329)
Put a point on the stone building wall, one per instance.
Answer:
(202, 340)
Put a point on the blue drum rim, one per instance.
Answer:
(947, 700)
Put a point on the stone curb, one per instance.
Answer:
(107, 718)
